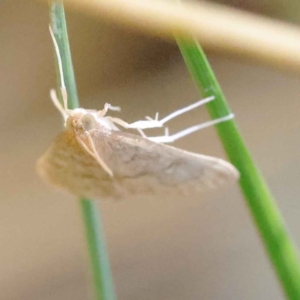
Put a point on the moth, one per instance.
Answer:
(93, 158)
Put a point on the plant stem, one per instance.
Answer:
(102, 278)
(103, 283)
(279, 246)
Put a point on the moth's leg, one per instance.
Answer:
(186, 109)
(167, 131)
(171, 138)
(155, 123)
(143, 124)
(150, 119)
(106, 122)
(107, 106)
(118, 121)
(113, 126)
(102, 113)
(94, 153)
(57, 104)
(142, 133)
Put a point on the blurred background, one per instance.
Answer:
(202, 247)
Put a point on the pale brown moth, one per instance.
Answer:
(93, 158)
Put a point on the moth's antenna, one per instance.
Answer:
(63, 86)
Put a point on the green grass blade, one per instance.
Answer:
(280, 248)
(102, 278)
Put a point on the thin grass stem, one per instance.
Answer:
(101, 273)
(268, 220)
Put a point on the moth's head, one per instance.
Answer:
(79, 118)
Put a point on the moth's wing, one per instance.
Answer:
(133, 156)
(140, 167)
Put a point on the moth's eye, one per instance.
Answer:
(88, 122)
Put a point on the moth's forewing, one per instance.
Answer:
(140, 167)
